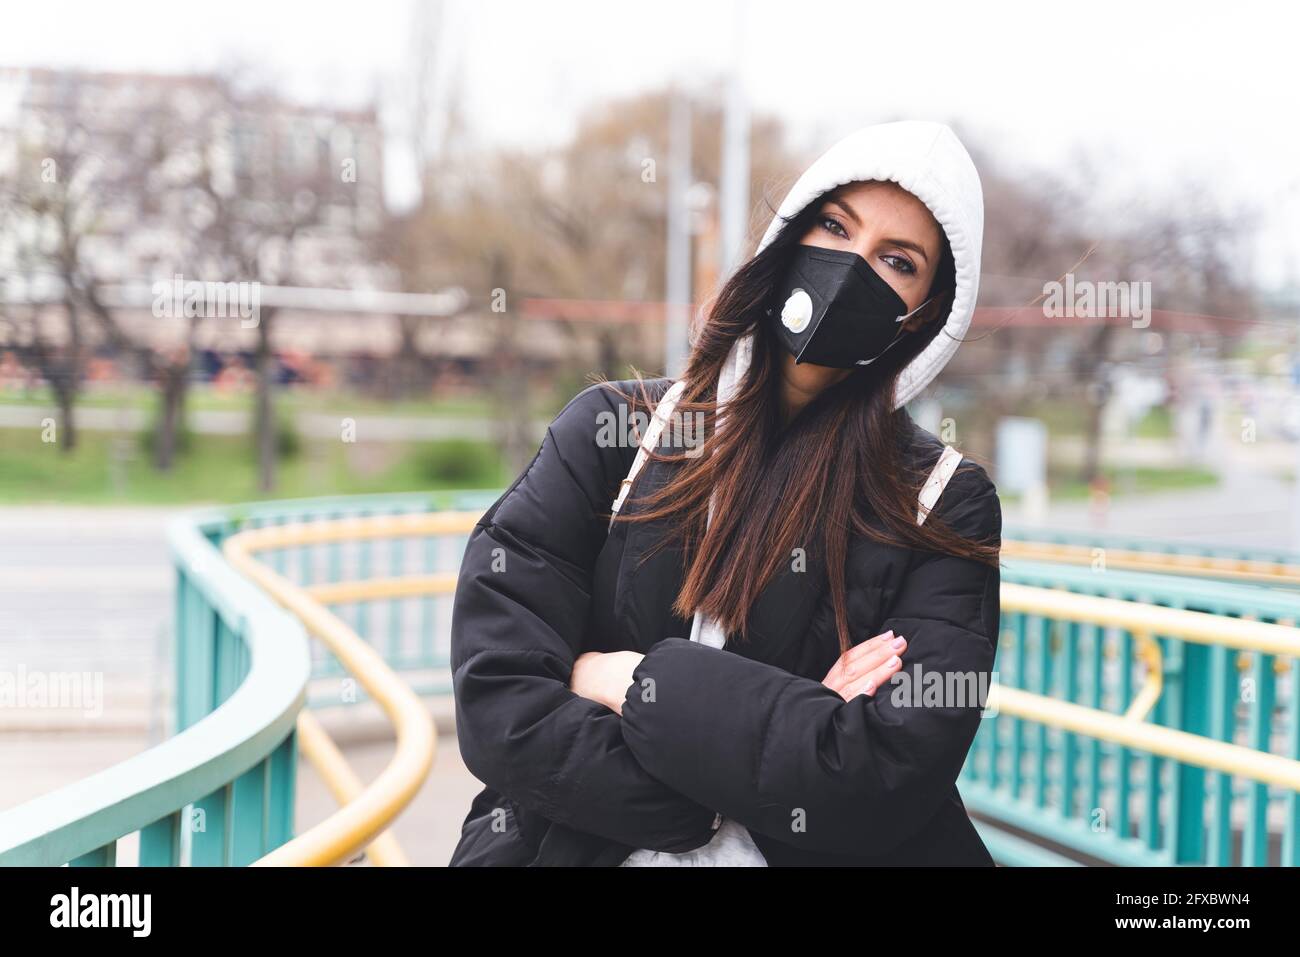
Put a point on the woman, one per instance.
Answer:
(766, 657)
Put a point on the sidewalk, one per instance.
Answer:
(37, 763)
(1252, 506)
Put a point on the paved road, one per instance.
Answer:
(88, 590)
(1251, 507)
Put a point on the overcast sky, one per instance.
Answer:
(1157, 94)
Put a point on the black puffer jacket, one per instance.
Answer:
(750, 733)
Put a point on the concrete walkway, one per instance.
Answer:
(1253, 506)
(37, 763)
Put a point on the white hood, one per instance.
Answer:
(927, 160)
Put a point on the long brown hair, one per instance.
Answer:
(841, 468)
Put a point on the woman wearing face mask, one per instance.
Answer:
(777, 650)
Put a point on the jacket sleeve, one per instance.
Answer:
(788, 758)
(518, 618)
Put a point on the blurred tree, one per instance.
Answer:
(211, 178)
(49, 202)
(1039, 226)
(167, 157)
(258, 197)
(97, 160)
(584, 220)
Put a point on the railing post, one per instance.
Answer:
(1291, 823)
(1153, 835)
(1223, 695)
(209, 825)
(1018, 725)
(105, 856)
(196, 625)
(1123, 772)
(1192, 690)
(281, 788)
(248, 815)
(1069, 744)
(160, 842)
(1254, 847)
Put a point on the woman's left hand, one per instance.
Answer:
(866, 666)
(604, 676)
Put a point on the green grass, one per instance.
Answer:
(108, 469)
(1064, 418)
(1129, 481)
(1158, 423)
(292, 400)
(1061, 418)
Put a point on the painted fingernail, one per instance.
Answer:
(887, 635)
(897, 643)
(893, 662)
(871, 686)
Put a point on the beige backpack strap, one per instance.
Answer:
(934, 485)
(663, 412)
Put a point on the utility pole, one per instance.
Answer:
(734, 200)
(678, 280)
(425, 61)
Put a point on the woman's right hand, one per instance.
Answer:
(866, 666)
(604, 677)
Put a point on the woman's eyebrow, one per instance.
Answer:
(908, 244)
(903, 243)
(847, 210)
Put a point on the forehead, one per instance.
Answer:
(888, 206)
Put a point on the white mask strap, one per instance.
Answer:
(897, 338)
(915, 311)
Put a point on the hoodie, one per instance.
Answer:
(927, 160)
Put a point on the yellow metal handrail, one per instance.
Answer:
(1130, 729)
(1145, 700)
(1182, 746)
(319, 749)
(1197, 626)
(355, 529)
(408, 586)
(1165, 563)
(366, 811)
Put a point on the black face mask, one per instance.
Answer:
(834, 310)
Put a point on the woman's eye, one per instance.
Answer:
(833, 227)
(901, 263)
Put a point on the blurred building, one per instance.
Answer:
(149, 160)
(148, 130)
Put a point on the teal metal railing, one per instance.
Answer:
(220, 791)
(1082, 799)
(1274, 567)
(1125, 541)
(412, 633)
